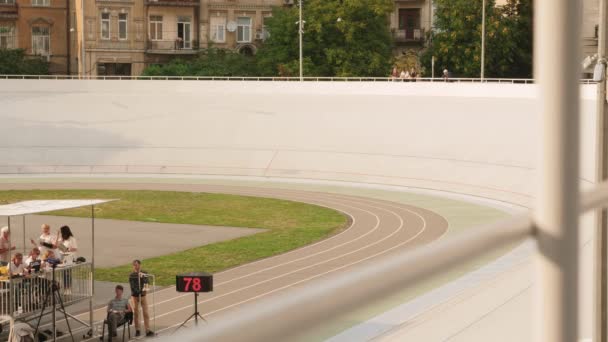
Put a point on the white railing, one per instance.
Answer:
(24, 297)
(278, 79)
(408, 35)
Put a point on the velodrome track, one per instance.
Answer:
(376, 228)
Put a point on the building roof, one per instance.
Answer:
(41, 206)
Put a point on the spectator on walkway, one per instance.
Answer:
(404, 75)
(5, 246)
(138, 280)
(413, 73)
(446, 75)
(395, 74)
(46, 241)
(117, 308)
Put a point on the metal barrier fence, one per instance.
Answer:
(24, 297)
(277, 79)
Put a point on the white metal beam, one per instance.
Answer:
(557, 27)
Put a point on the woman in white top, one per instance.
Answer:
(46, 241)
(67, 242)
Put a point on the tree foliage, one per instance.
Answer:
(456, 38)
(15, 62)
(341, 38)
(210, 62)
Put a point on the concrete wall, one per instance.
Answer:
(466, 138)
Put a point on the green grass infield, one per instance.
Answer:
(289, 225)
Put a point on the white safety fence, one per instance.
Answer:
(26, 296)
(276, 79)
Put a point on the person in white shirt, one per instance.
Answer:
(33, 261)
(67, 243)
(17, 267)
(5, 246)
(46, 241)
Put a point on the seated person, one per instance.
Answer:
(33, 261)
(17, 266)
(49, 259)
(117, 308)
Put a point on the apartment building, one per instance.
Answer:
(236, 24)
(172, 29)
(42, 28)
(114, 37)
(410, 22)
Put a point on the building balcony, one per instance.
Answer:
(9, 9)
(408, 35)
(172, 47)
(117, 45)
(176, 3)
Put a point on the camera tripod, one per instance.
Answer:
(52, 293)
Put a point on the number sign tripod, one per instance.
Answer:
(195, 283)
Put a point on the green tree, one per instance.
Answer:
(210, 62)
(456, 38)
(341, 38)
(15, 62)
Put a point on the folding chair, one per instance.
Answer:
(126, 323)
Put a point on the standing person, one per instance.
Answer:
(5, 246)
(395, 74)
(68, 245)
(117, 308)
(413, 73)
(138, 280)
(446, 75)
(46, 241)
(403, 75)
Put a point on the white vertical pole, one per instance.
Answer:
(601, 248)
(557, 27)
(82, 52)
(301, 32)
(483, 39)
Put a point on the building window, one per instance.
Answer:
(105, 25)
(156, 27)
(7, 37)
(243, 31)
(122, 26)
(184, 39)
(7, 2)
(44, 3)
(218, 29)
(41, 41)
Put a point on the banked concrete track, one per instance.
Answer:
(376, 228)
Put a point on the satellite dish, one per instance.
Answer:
(231, 26)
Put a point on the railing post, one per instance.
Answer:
(556, 216)
(600, 296)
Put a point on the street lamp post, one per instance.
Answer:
(301, 33)
(483, 39)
